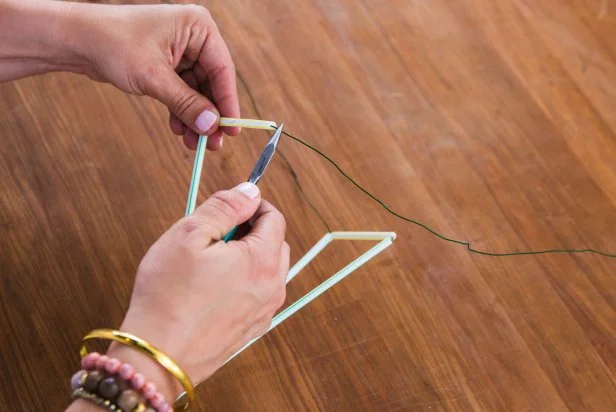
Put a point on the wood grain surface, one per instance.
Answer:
(490, 121)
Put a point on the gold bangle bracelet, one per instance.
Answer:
(144, 347)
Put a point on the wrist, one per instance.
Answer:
(169, 335)
(165, 383)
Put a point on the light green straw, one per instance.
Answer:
(386, 239)
(196, 176)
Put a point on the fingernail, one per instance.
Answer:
(205, 121)
(249, 189)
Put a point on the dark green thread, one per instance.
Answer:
(445, 238)
(298, 184)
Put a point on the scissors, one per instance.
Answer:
(260, 166)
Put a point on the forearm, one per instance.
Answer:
(35, 38)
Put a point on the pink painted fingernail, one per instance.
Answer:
(205, 121)
(249, 189)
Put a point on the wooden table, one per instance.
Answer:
(490, 121)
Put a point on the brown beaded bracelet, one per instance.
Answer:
(98, 367)
(108, 391)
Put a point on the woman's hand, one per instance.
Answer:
(173, 53)
(199, 299)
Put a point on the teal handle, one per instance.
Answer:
(230, 235)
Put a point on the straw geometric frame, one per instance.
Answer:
(385, 239)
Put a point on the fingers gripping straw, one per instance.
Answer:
(198, 165)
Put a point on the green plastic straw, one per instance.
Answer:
(386, 239)
(196, 176)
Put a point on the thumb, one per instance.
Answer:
(228, 208)
(194, 109)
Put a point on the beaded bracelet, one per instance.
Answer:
(154, 353)
(81, 393)
(112, 379)
(104, 390)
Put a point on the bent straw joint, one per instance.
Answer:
(386, 239)
(201, 147)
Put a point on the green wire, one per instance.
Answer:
(415, 222)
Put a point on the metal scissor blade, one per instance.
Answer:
(266, 156)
